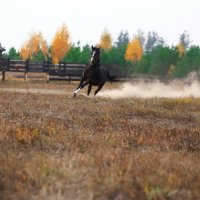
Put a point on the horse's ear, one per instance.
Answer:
(99, 48)
(92, 47)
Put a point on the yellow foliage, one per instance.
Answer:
(61, 44)
(106, 41)
(181, 49)
(24, 52)
(134, 50)
(33, 45)
(43, 46)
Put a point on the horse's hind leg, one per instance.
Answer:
(98, 89)
(89, 89)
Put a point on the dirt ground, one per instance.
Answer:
(54, 146)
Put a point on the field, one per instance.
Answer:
(56, 147)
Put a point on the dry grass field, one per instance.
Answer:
(55, 147)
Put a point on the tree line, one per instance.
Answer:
(148, 55)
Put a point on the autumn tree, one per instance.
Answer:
(106, 41)
(61, 44)
(24, 52)
(33, 45)
(44, 47)
(181, 49)
(134, 50)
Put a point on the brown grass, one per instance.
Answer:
(57, 147)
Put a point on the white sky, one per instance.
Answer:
(86, 19)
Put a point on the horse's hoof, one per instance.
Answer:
(74, 95)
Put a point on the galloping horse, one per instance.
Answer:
(94, 74)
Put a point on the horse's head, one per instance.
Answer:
(95, 55)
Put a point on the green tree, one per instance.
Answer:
(184, 39)
(40, 56)
(13, 54)
(73, 55)
(190, 62)
(143, 66)
(162, 58)
(85, 54)
(153, 40)
(122, 40)
(119, 50)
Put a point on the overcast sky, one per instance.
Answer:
(86, 19)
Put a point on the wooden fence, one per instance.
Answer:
(72, 71)
(62, 71)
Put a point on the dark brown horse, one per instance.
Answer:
(94, 74)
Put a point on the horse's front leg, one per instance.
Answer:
(81, 85)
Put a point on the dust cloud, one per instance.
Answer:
(180, 88)
(188, 87)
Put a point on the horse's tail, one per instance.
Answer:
(110, 77)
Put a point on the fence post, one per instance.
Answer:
(8, 65)
(65, 66)
(3, 74)
(69, 80)
(25, 76)
(48, 77)
(47, 64)
(2, 63)
(26, 70)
